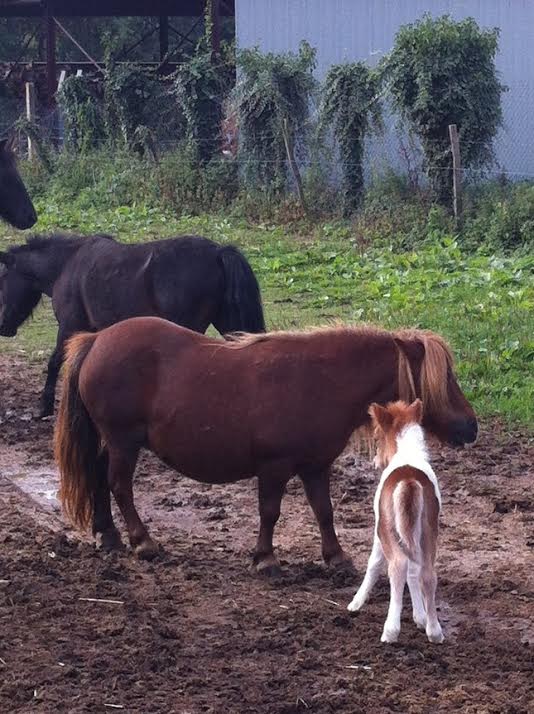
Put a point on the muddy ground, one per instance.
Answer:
(197, 632)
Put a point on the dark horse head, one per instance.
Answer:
(15, 205)
(18, 296)
(426, 370)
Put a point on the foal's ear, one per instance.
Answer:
(380, 416)
(7, 259)
(416, 411)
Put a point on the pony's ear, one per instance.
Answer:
(7, 259)
(380, 416)
(416, 411)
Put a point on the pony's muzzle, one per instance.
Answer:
(464, 431)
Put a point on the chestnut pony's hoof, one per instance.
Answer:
(340, 560)
(147, 550)
(108, 540)
(268, 567)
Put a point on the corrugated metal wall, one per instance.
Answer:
(344, 30)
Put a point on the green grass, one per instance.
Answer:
(482, 303)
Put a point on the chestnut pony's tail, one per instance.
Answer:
(76, 440)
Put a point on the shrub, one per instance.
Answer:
(188, 187)
(273, 94)
(82, 114)
(350, 107)
(433, 84)
(201, 86)
(502, 217)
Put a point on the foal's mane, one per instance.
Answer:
(436, 363)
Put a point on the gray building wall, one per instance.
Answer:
(348, 30)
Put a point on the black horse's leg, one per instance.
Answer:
(317, 487)
(122, 462)
(106, 535)
(271, 486)
(49, 391)
(54, 365)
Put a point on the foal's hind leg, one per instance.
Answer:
(374, 568)
(106, 535)
(414, 585)
(120, 477)
(397, 571)
(429, 581)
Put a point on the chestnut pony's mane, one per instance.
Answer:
(436, 363)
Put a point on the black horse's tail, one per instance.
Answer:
(242, 310)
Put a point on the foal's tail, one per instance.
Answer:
(76, 440)
(407, 518)
(241, 310)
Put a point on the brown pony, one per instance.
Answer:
(270, 405)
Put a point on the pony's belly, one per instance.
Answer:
(204, 466)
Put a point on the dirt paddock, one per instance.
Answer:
(196, 632)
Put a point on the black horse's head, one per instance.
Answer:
(15, 205)
(18, 297)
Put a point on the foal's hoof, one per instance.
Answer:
(147, 550)
(108, 540)
(268, 567)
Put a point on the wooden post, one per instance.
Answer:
(30, 115)
(62, 77)
(456, 173)
(293, 164)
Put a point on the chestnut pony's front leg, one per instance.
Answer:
(272, 481)
(317, 487)
(121, 468)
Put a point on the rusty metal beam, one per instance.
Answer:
(109, 8)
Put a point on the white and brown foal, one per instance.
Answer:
(407, 505)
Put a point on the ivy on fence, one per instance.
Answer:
(273, 94)
(442, 72)
(350, 107)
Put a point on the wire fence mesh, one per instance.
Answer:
(393, 149)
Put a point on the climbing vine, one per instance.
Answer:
(350, 108)
(201, 86)
(273, 94)
(442, 72)
(82, 114)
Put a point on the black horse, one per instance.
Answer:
(95, 281)
(15, 205)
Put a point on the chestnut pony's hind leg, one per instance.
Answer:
(271, 486)
(106, 535)
(317, 487)
(121, 468)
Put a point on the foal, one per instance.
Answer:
(407, 504)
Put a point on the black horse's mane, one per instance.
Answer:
(58, 240)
